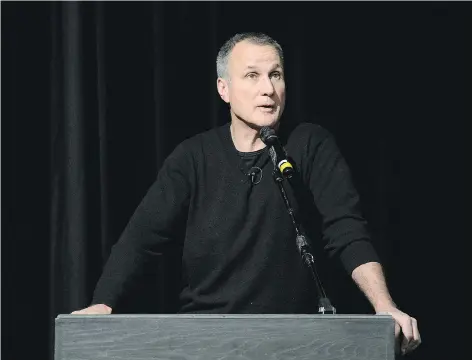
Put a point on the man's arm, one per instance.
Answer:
(370, 279)
(346, 231)
(153, 225)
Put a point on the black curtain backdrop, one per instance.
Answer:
(96, 95)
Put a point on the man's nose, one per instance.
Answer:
(267, 88)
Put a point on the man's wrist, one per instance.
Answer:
(385, 306)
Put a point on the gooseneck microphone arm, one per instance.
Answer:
(279, 158)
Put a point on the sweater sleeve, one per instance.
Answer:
(344, 228)
(151, 226)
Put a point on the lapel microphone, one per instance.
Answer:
(255, 174)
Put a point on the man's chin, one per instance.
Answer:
(258, 124)
(266, 122)
(259, 121)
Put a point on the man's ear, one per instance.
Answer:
(223, 90)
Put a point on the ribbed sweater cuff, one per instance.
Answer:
(357, 253)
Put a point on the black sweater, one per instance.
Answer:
(239, 251)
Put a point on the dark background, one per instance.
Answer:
(96, 95)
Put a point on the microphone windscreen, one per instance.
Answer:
(267, 135)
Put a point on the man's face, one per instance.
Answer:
(256, 86)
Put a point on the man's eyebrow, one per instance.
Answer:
(276, 66)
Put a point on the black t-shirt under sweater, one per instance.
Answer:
(239, 252)
(249, 164)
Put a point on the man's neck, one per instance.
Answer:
(245, 139)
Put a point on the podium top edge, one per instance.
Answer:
(227, 316)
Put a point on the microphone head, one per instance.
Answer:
(267, 135)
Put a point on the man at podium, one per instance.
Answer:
(239, 251)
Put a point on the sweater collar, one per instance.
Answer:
(232, 154)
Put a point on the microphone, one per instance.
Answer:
(276, 151)
(255, 174)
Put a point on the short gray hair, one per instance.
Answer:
(255, 38)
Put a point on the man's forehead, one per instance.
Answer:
(247, 54)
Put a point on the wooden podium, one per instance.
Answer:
(224, 337)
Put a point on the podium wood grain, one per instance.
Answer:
(224, 337)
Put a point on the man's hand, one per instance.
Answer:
(98, 309)
(371, 280)
(407, 326)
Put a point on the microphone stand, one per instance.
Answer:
(324, 304)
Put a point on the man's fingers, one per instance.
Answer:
(410, 335)
(416, 341)
(404, 346)
(79, 312)
(407, 335)
(416, 332)
(398, 330)
(98, 309)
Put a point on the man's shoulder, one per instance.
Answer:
(312, 128)
(305, 132)
(210, 134)
(205, 138)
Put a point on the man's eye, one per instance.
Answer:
(251, 75)
(276, 75)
